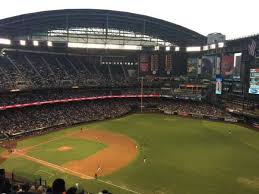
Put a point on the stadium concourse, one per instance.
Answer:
(62, 68)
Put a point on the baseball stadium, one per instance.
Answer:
(101, 101)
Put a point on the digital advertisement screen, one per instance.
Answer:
(254, 81)
(227, 66)
(218, 86)
(144, 67)
(144, 63)
(208, 67)
(192, 67)
(237, 66)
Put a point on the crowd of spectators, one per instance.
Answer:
(193, 107)
(242, 106)
(11, 186)
(36, 118)
(21, 120)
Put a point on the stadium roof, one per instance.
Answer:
(43, 24)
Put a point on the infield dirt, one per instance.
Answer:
(120, 151)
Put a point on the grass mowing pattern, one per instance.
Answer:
(184, 156)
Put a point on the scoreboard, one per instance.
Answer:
(254, 81)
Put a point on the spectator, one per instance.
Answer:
(71, 190)
(104, 192)
(58, 186)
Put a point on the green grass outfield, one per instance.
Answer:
(184, 156)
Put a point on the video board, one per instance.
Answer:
(192, 67)
(218, 90)
(227, 66)
(144, 63)
(208, 67)
(254, 81)
(237, 66)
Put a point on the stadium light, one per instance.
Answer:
(111, 46)
(177, 48)
(131, 47)
(5, 41)
(156, 48)
(221, 44)
(22, 42)
(193, 48)
(15, 90)
(212, 46)
(50, 44)
(167, 48)
(103, 46)
(35, 43)
(205, 48)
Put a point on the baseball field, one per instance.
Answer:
(146, 154)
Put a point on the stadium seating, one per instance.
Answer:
(27, 70)
(36, 119)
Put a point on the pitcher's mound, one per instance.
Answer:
(64, 148)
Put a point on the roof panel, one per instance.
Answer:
(40, 22)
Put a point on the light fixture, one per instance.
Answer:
(193, 49)
(5, 41)
(103, 46)
(50, 44)
(212, 46)
(35, 43)
(205, 48)
(221, 44)
(22, 42)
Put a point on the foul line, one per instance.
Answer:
(66, 170)
(57, 167)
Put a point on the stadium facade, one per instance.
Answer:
(89, 48)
